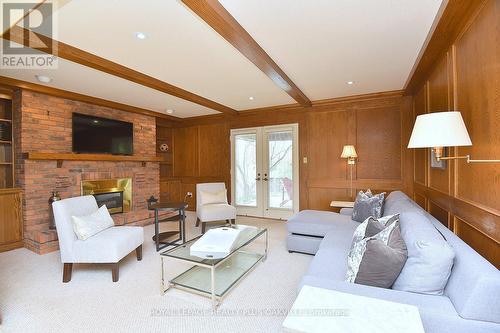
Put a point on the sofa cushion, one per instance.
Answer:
(216, 212)
(108, 246)
(367, 205)
(474, 284)
(317, 223)
(439, 304)
(430, 257)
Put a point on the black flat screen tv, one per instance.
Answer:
(95, 135)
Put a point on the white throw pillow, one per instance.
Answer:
(89, 225)
(213, 197)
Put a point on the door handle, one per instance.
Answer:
(258, 178)
(265, 179)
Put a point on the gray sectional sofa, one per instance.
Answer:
(471, 300)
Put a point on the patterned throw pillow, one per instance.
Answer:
(372, 226)
(366, 205)
(377, 260)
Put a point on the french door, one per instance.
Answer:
(264, 171)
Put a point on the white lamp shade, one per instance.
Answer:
(348, 152)
(439, 129)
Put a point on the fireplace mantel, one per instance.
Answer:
(60, 157)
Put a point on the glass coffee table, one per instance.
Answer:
(214, 278)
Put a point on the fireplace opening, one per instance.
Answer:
(116, 193)
(112, 200)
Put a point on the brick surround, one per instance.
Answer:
(43, 124)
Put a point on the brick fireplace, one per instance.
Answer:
(44, 125)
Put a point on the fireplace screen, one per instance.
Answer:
(116, 194)
(112, 200)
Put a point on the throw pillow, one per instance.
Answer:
(213, 197)
(372, 226)
(377, 260)
(90, 225)
(430, 257)
(357, 251)
(382, 263)
(366, 206)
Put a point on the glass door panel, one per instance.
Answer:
(245, 163)
(264, 171)
(280, 157)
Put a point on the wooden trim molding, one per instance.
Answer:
(484, 220)
(14, 83)
(339, 103)
(452, 19)
(68, 52)
(216, 16)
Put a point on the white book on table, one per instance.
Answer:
(217, 243)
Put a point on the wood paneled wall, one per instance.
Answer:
(466, 197)
(378, 125)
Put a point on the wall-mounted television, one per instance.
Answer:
(96, 135)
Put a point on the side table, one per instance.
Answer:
(342, 204)
(160, 239)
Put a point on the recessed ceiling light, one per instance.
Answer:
(170, 111)
(350, 82)
(43, 78)
(96, 121)
(140, 35)
(251, 98)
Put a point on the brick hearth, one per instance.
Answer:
(43, 124)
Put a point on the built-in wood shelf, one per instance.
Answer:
(60, 158)
(5, 142)
(5, 120)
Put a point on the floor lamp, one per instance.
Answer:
(349, 152)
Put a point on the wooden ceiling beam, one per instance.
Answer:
(68, 52)
(14, 83)
(216, 16)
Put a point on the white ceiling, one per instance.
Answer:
(319, 44)
(322, 44)
(88, 81)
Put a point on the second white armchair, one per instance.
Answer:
(212, 205)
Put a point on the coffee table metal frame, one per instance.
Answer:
(216, 299)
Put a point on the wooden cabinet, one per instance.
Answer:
(6, 147)
(11, 221)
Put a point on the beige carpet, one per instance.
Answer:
(33, 298)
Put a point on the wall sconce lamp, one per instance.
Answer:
(442, 129)
(349, 152)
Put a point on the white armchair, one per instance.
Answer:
(107, 247)
(212, 205)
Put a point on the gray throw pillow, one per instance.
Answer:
(371, 226)
(358, 249)
(366, 206)
(382, 263)
(374, 226)
(430, 257)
